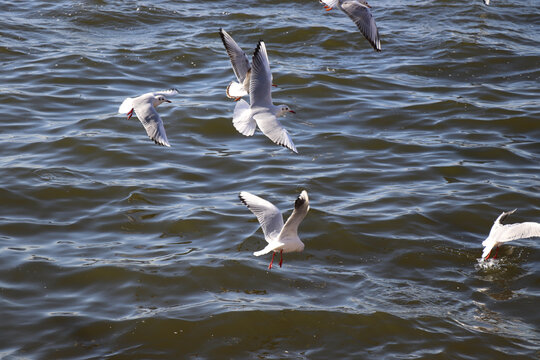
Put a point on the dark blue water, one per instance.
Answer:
(114, 247)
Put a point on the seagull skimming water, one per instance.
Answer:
(282, 238)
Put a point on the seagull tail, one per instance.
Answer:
(242, 119)
(126, 106)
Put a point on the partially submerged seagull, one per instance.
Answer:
(145, 108)
(500, 233)
(282, 238)
(261, 111)
(358, 11)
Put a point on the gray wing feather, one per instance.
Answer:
(152, 122)
(239, 59)
(271, 127)
(363, 19)
(260, 86)
(267, 213)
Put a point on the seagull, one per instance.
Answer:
(486, 2)
(282, 238)
(145, 108)
(262, 112)
(241, 67)
(500, 233)
(358, 11)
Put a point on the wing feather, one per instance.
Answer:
(267, 213)
(361, 16)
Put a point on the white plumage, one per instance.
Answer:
(280, 237)
(145, 108)
(501, 233)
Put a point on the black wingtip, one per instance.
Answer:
(299, 201)
(242, 199)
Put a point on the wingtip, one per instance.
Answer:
(301, 199)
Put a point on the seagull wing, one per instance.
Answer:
(271, 127)
(151, 121)
(268, 214)
(260, 85)
(519, 231)
(361, 16)
(239, 59)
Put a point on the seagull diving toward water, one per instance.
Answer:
(500, 233)
(358, 11)
(262, 112)
(145, 108)
(241, 67)
(282, 238)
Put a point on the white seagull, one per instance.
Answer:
(282, 238)
(358, 11)
(145, 108)
(486, 2)
(262, 112)
(500, 233)
(240, 65)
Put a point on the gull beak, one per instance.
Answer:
(274, 85)
(369, 6)
(169, 101)
(292, 111)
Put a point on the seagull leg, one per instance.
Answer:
(271, 262)
(130, 114)
(237, 99)
(281, 258)
(496, 251)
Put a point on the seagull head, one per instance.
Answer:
(160, 99)
(283, 109)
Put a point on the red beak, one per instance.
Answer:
(292, 111)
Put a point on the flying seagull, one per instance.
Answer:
(358, 11)
(261, 111)
(501, 233)
(282, 238)
(241, 67)
(145, 108)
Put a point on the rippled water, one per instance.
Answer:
(113, 247)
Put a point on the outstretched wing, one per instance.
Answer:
(271, 127)
(519, 231)
(268, 214)
(152, 122)
(361, 16)
(239, 59)
(260, 85)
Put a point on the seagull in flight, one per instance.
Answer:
(145, 108)
(282, 238)
(501, 233)
(261, 111)
(358, 11)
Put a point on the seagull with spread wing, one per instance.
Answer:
(282, 238)
(501, 233)
(145, 108)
